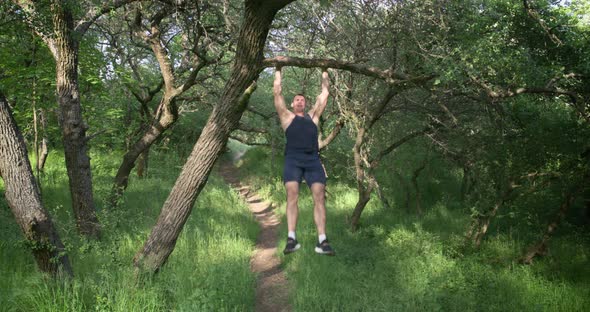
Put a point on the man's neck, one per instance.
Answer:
(299, 113)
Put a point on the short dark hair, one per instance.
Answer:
(300, 94)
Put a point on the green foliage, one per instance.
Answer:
(209, 269)
(398, 261)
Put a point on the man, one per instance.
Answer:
(302, 160)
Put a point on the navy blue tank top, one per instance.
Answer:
(302, 136)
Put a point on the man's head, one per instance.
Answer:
(298, 103)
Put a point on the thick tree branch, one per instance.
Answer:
(505, 93)
(35, 22)
(325, 142)
(259, 113)
(94, 13)
(247, 128)
(248, 142)
(388, 75)
(378, 112)
(535, 16)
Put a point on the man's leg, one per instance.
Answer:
(318, 190)
(292, 188)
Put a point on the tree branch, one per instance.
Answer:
(94, 13)
(339, 124)
(535, 16)
(534, 90)
(247, 142)
(259, 113)
(397, 144)
(244, 127)
(387, 75)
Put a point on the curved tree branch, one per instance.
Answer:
(94, 13)
(388, 75)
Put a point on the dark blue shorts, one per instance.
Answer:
(301, 167)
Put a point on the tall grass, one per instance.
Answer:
(398, 261)
(208, 270)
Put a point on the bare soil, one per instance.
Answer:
(272, 288)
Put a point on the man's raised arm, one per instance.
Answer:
(280, 105)
(322, 99)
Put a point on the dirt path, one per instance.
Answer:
(272, 289)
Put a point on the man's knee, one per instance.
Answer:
(318, 191)
(292, 191)
(292, 197)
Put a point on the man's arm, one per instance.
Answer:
(285, 115)
(322, 99)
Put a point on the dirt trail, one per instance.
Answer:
(272, 289)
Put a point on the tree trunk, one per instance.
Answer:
(44, 149)
(406, 189)
(65, 52)
(364, 197)
(417, 187)
(364, 191)
(258, 16)
(36, 132)
(24, 199)
(142, 163)
(465, 183)
(382, 196)
(153, 132)
(540, 248)
(480, 224)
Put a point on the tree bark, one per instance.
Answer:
(44, 149)
(142, 163)
(168, 116)
(167, 112)
(406, 189)
(65, 51)
(540, 248)
(258, 16)
(480, 224)
(364, 191)
(62, 37)
(365, 168)
(388, 75)
(466, 183)
(24, 199)
(417, 187)
(364, 197)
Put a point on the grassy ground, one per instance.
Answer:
(208, 270)
(395, 262)
(401, 262)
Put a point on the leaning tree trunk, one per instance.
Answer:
(480, 224)
(153, 132)
(258, 16)
(364, 197)
(24, 199)
(361, 179)
(540, 248)
(143, 163)
(65, 52)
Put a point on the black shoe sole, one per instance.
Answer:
(288, 251)
(321, 252)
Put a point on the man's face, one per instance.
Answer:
(298, 104)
